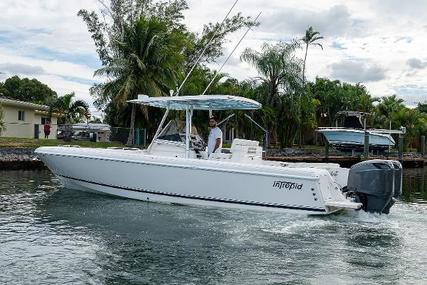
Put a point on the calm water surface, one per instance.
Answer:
(51, 235)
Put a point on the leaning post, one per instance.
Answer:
(267, 140)
(366, 145)
(137, 137)
(366, 142)
(401, 147)
(326, 150)
(423, 145)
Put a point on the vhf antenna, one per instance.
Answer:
(204, 49)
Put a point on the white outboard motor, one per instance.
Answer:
(376, 184)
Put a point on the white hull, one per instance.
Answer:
(141, 176)
(142, 196)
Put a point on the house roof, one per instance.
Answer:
(28, 105)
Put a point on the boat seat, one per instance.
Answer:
(246, 150)
(242, 142)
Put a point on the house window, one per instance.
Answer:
(44, 120)
(21, 116)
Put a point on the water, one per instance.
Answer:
(50, 235)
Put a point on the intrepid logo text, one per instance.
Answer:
(287, 185)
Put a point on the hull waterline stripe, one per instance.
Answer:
(198, 198)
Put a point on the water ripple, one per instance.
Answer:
(51, 235)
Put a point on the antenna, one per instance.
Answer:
(241, 39)
(204, 49)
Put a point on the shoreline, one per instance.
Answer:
(16, 158)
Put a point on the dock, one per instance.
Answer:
(348, 161)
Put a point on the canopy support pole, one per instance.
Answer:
(226, 119)
(159, 129)
(266, 133)
(188, 116)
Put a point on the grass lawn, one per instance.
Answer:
(34, 143)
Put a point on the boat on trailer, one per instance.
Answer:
(175, 168)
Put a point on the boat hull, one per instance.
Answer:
(194, 182)
(355, 139)
(146, 196)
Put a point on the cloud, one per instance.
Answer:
(331, 22)
(357, 71)
(416, 63)
(411, 9)
(47, 34)
(17, 68)
(412, 93)
(338, 45)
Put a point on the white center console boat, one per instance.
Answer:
(175, 168)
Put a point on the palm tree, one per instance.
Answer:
(310, 38)
(389, 105)
(277, 66)
(150, 56)
(279, 72)
(413, 120)
(71, 111)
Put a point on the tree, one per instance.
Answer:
(279, 71)
(413, 120)
(387, 106)
(28, 90)
(310, 38)
(108, 28)
(422, 107)
(117, 14)
(147, 65)
(335, 96)
(277, 65)
(71, 111)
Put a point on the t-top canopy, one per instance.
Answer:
(199, 102)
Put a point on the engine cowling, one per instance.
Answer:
(376, 184)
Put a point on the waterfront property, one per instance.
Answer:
(26, 120)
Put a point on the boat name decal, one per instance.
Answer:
(287, 185)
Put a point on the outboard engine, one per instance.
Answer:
(376, 184)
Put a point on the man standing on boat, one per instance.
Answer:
(215, 136)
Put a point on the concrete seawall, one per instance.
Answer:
(19, 159)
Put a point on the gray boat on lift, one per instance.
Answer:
(351, 135)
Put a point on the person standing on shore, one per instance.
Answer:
(215, 136)
(46, 129)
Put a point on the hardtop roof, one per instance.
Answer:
(199, 102)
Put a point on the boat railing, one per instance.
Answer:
(70, 145)
(124, 148)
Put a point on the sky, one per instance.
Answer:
(379, 43)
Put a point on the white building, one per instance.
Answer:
(25, 119)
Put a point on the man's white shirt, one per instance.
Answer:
(215, 133)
